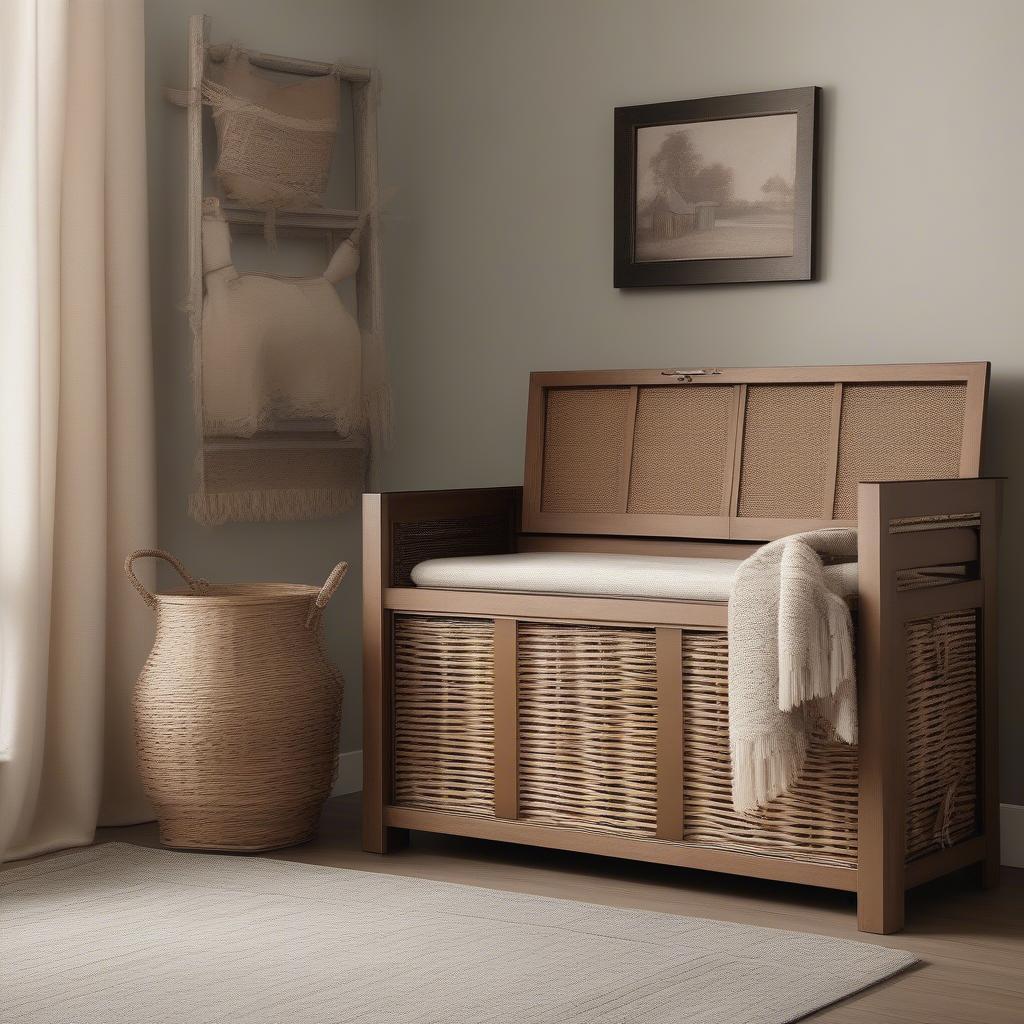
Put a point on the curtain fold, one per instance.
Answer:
(76, 449)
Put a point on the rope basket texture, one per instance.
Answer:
(237, 711)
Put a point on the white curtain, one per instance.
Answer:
(76, 416)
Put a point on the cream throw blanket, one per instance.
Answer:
(278, 352)
(276, 348)
(790, 661)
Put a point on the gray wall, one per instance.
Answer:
(496, 132)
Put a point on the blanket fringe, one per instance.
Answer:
(763, 768)
(214, 509)
(819, 670)
(814, 629)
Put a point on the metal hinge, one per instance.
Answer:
(686, 376)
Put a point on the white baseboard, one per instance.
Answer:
(1011, 818)
(350, 773)
(1011, 826)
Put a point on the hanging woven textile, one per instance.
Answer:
(276, 354)
(274, 142)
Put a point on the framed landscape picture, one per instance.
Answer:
(717, 190)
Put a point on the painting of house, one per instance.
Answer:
(669, 214)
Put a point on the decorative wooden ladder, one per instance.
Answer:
(335, 225)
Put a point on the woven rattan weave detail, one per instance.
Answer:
(300, 157)
(816, 821)
(587, 727)
(680, 445)
(274, 141)
(415, 542)
(237, 712)
(584, 464)
(587, 723)
(942, 696)
(444, 713)
(897, 432)
(237, 717)
(786, 450)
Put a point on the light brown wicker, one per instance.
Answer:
(942, 731)
(587, 699)
(444, 713)
(877, 440)
(815, 821)
(588, 719)
(583, 470)
(679, 451)
(237, 711)
(786, 435)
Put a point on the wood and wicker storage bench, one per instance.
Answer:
(598, 722)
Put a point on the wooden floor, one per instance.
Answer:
(971, 941)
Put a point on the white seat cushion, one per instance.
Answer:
(658, 577)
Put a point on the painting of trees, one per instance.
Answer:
(778, 191)
(677, 165)
(713, 183)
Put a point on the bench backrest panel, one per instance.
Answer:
(747, 454)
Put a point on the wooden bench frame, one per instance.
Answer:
(881, 875)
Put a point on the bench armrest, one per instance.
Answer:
(910, 525)
(904, 527)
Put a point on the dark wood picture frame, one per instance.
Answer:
(801, 266)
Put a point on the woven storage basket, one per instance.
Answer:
(237, 712)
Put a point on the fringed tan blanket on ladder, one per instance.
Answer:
(790, 661)
(276, 355)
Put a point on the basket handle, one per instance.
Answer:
(195, 584)
(331, 584)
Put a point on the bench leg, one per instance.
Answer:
(378, 837)
(880, 906)
(990, 869)
(385, 840)
(882, 717)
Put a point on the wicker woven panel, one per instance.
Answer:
(785, 465)
(584, 437)
(415, 542)
(444, 713)
(679, 450)
(588, 727)
(816, 821)
(897, 432)
(942, 692)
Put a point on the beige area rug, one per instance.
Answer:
(117, 934)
